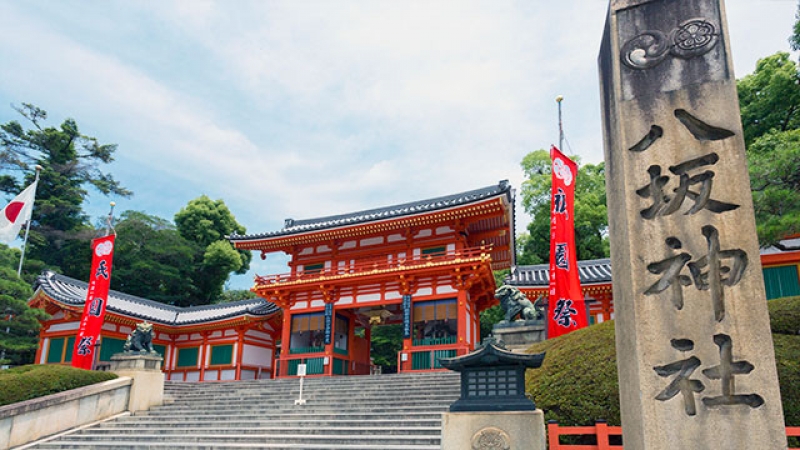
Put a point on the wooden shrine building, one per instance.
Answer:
(426, 265)
(229, 341)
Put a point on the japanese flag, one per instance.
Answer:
(16, 213)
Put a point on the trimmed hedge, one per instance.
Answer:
(787, 356)
(577, 382)
(36, 380)
(784, 315)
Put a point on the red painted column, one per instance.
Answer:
(286, 340)
(462, 322)
(203, 350)
(239, 351)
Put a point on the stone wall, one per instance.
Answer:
(27, 421)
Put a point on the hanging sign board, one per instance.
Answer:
(406, 316)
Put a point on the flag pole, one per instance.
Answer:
(28, 226)
(109, 226)
(560, 99)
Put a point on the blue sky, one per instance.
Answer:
(309, 108)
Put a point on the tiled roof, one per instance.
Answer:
(70, 291)
(591, 272)
(792, 244)
(423, 206)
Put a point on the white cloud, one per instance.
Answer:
(312, 108)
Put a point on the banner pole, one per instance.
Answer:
(560, 99)
(110, 218)
(28, 226)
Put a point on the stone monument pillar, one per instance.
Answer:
(694, 349)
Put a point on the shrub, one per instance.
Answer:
(32, 381)
(787, 358)
(577, 382)
(784, 315)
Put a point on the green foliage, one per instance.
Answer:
(489, 317)
(205, 223)
(235, 295)
(19, 324)
(784, 315)
(386, 341)
(27, 382)
(591, 216)
(794, 40)
(787, 358)
(770, 107)
(153, 260)
(219, 260)
(70, 164)
(577, 382)
(770, 97)
(180, 266)
(775, 182)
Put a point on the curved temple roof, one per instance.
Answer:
(423, 206)
(591, 272)
(70, 291)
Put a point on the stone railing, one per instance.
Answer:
(27, 421)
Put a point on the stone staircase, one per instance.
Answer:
(383, 412)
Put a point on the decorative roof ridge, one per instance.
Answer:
(591, 271)
(292, 226)
(49, 280)
(581, 263)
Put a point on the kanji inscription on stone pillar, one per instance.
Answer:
(694, 349)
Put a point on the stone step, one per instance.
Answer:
(270, 390)
(302, 416)
(362, 393)
(116, 445)
(323, 401)
(364, 390)
(266, 430)
(265, 438)
(310, 421)
(247, 413)
(387, 412)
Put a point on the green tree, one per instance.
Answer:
(769, 97)
(770, 105)
(385, 342)
(19, 324)
(775, 180)
(235, 295)
(70, 164)
(152, 260)
(206, 222)
(591, 217)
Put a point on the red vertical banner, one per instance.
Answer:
(566, 306)
(94, 310)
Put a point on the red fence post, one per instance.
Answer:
(793, 432)
(552, 435)
(601, 430)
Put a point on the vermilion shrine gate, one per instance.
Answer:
(427, 265)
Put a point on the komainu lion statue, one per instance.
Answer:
(515, 303)
(140, 340)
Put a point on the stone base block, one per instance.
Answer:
(135, 361)
(520, 335)
(148, 380)
(514, 430)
